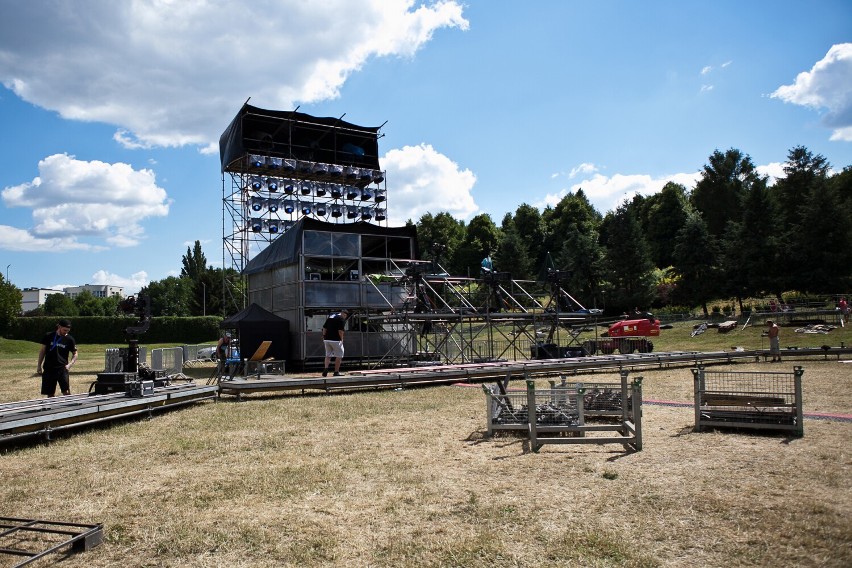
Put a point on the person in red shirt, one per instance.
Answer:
(774, 341)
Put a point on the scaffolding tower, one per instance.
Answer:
(281, 166)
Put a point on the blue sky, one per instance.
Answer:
(111, 111)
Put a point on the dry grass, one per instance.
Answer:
(405, 478)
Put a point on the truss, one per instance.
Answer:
(475, 320)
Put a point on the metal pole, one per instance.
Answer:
(7, 272)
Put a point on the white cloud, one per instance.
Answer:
(18, 240)
(425, 180)
(75, 201)
(706, 88)
(773, 171)
(828, 85)
(584, 168)
(606, 193)
(131, 284)
(168, 73)
(706, 69)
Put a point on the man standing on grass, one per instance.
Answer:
(332, 339)
(774, 341)
(53, 364)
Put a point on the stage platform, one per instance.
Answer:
(499, 370)
(46, 415)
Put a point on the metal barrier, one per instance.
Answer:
(168, 359)
(755, 400)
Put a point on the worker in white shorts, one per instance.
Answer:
(332, 339)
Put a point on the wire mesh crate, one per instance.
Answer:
(511, 411)
(749, 399)
(603, 399)
(558, 415)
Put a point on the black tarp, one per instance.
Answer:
(285, 249)
(255, 325)
(290, 134)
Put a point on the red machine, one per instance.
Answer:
(627, 336)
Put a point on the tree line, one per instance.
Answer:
(731, 236)
(196, 292)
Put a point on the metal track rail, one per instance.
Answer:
(416, 376)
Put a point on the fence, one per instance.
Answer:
(168, 359)
(559, 415)
(755, 400)
(115, 359)
(190, 352)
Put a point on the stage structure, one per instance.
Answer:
(282, 166)
(402, 309)
(486, 319)
(304, 221)
(316, 268)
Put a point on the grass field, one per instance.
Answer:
(407, 478)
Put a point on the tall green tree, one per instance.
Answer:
(529, 226)
(750, 249)
(822, 244)
(170, 296)
(438, 237)
(512, 254)
(10, 304)
(801, 199)
(582, 257)
(803, 172)
(662, 215)
(194, 262)
(696, 257)
(574, 214)
(480, 239)
(718, 194)
(628, 259)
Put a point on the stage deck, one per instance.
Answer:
(498, 370)
(46, 415)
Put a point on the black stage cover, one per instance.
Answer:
(290, 134)
(256, 325)
(285, 249)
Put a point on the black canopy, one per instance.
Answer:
(255, 325)
(290, 134)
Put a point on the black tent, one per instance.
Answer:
(255, 325)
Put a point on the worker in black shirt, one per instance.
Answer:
(332, 339)
(53, 363)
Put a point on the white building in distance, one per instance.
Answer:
(97, 290)
(35, 297)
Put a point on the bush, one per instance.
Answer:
(99, 329)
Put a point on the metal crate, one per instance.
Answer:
(511, 411)
(603, 399)
(558, 415)
(754, 400)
